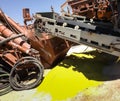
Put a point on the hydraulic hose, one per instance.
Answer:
(24, 72)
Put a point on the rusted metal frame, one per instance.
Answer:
(72, 3)
(91, 8)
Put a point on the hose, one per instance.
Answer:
(24, 72)
(4, 82)
(9, 39)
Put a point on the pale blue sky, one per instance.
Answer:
(13, 8)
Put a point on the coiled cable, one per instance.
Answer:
(27, 73)
(4, 82)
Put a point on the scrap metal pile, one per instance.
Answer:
(107, 10)
(99, 9)
(24, 53)
(26, 50)
(20, 67)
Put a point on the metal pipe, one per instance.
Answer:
(13, 23)
(23, 49)
(9, 39)
(8, 33)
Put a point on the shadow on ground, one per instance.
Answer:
(93, 66)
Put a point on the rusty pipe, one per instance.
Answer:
(9, 39)
(8, 33)
(13, 23)
(13, 44)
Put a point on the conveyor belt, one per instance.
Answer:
(91, 32)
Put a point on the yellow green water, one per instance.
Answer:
(73, 75)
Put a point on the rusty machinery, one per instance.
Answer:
(94, 23)
(17, 57)
(99, 19)
(107, 10)
(91, 8)
(51, 48)
(27, 50)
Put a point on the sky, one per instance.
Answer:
(13, 8)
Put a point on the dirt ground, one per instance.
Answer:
(109, 91)
(81, 76)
